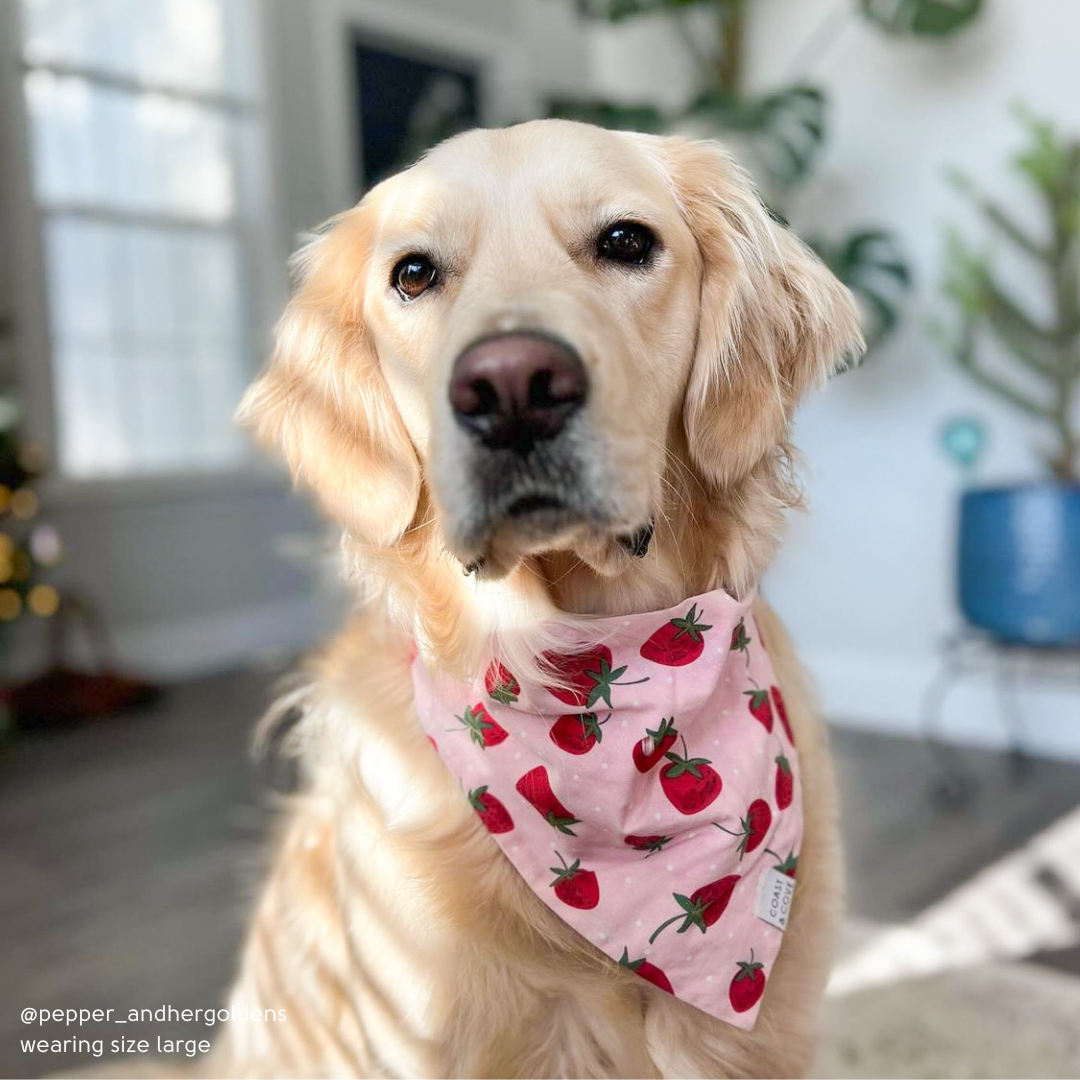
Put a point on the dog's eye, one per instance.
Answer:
(413, 275)
(626, 242)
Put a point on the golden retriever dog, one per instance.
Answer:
(640, 329)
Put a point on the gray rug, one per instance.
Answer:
(994, 1020)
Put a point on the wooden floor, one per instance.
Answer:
(129, 851)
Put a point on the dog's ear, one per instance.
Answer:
(323, 398)
(774, 321)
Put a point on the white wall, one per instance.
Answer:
(865, 581)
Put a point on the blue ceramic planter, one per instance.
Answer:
(1019, 563)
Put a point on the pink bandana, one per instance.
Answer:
(652, 801)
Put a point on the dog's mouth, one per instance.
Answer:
(505, 507)
(537, 503)
(536, 514)
(541, 520)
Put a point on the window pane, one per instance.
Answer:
(81, 258)
(149, 343)
(136, 152)
(95, 435)
(200, 45)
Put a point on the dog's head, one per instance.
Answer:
(525, 330)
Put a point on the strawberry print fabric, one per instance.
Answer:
(647, 797)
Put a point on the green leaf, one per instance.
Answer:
(871, 264)
(921, 18)
(787, 126)
(620, 10)
(618, 117)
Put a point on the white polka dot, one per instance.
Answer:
(601, 936)
(637, 702)
(730, 934)
(669, 868)
(669, 680)
(627, 623)
(628, 881)
(603, 764)
(726, 711)
(728, 679)
(576, 777)
(708, 978)
(657, 815)
(598, 809)
(637, 922)
(712, 868)
(624, 723)
(735, 771)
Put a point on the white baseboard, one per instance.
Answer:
(871, 692)
(168, 650)
(189, 647)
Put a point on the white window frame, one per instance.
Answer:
(22, 265)
(497, 59)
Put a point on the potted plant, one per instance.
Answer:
(1019, 545)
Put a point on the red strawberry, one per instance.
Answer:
(789, 866)
(702, 907)
(649, 972)
(500, 684)
(535, 788)
(785, 782)
(739, 640)
(678, 642)
(650, 844)
(661, 740)
(753, 828)
(495, 817)
(588, 676)
(748, 985)
(760, 708)
(690, 784)
(578, 733)
(574, 886)
(483, 729)
(781, 711)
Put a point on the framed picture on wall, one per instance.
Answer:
(407, 100)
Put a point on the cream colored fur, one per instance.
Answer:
(391, 931)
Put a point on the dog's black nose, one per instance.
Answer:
(515, 390)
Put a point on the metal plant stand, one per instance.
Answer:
(972, 652)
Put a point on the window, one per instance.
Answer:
(143, 119)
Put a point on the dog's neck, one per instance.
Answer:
(704, 540)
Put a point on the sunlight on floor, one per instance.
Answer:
(1027, 902)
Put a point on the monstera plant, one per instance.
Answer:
(780, 132)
